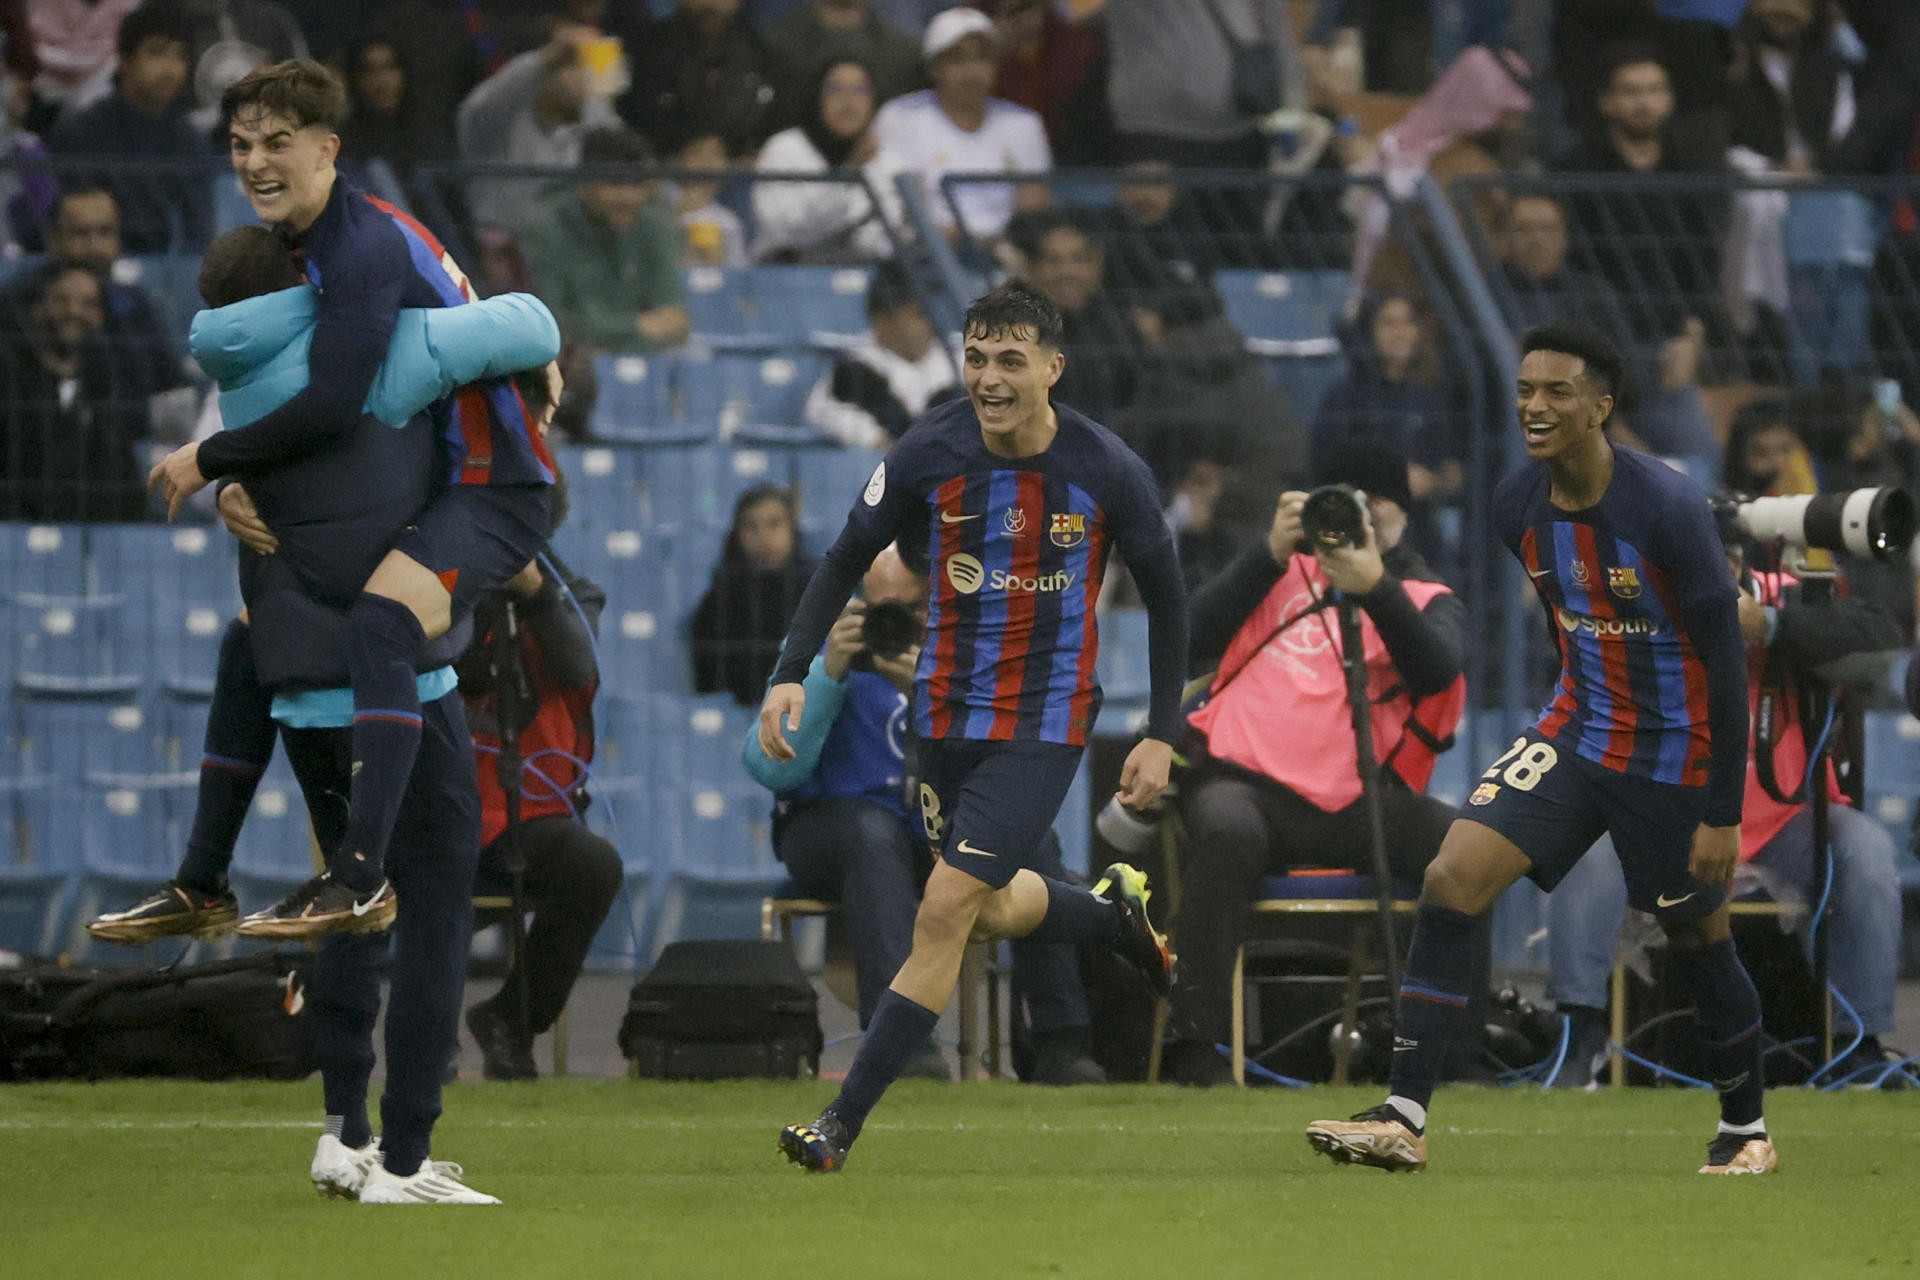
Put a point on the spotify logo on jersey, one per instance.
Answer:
(965, 573)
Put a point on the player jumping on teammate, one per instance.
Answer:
(1645, 737)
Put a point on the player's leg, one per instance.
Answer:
(1653, 827)
(238, 746)
(344, 996)
(571, 879)
(440, 819)
(470, 542)
(1532, 815)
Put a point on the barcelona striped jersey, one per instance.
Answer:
(1015, 551)
(1644, 609)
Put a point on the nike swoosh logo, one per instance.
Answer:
(964, 847)
(1538, 573)
(948, 517)
(1664, 901)
(361, 908)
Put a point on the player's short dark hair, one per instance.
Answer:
(299, 89)
(1601, 358)
(1007, 308)
(615, 144)
(245, 263)
(153, 21)
(75, 187)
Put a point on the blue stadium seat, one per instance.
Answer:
(717, 300)
(1290, 319)
(190, 578)
(640, 644)
(1283, 306)
(766, 388)
(72, 740)
(230, 206)
(830, 480)
(37, 870)
(692, 489)
(725, 863)
(623, 811)
(1892, 748)
(803, 303)
(641, 399)
(603, 486)
(38, 560)
(275, 852)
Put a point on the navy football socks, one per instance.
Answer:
(1727, 1015)
(898, 1032)
(238, 745)
(1432, 1010)
(1076, 915)
(386, 734)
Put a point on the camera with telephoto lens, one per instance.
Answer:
(1874, 523)
(1335, 516)
(887, 631)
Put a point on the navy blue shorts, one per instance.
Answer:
(987, 806)
(482, 534)
(1554, 804)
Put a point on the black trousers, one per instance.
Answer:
(874, 864)
(436, 841)
(1241, 828)
(571, 879)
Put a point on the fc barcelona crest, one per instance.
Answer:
(1068, 529)
(1484, 793)
(1624, 581)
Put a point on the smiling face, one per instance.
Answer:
(285, 169)
(1561, 408)
(70, 311)
(1008, 378)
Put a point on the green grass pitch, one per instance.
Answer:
(632, 1179)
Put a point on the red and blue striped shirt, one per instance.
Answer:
(1015, 550)
(1644, 609)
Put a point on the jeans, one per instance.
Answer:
(1585, 911)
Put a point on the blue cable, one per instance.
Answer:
(1559, 1053)
(1255, 1069)
(1659, 1070)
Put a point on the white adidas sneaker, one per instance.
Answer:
(338, 1170)
(436, 1182)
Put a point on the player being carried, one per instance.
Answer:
(1010, 505)
(1645, 738)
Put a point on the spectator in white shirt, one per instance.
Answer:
(958, 126)
(828, 222)
(899, 368)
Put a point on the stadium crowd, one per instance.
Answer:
(1728, 195)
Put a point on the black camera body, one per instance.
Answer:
(888, 630)
(1335, 516)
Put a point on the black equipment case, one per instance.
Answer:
(723, 1010)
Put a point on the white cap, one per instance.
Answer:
(951, 26)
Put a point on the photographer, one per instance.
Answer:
(1276, 783)
(1789, 638)
(846, 832)
(537, 677)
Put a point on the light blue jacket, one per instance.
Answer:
(257, 351)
